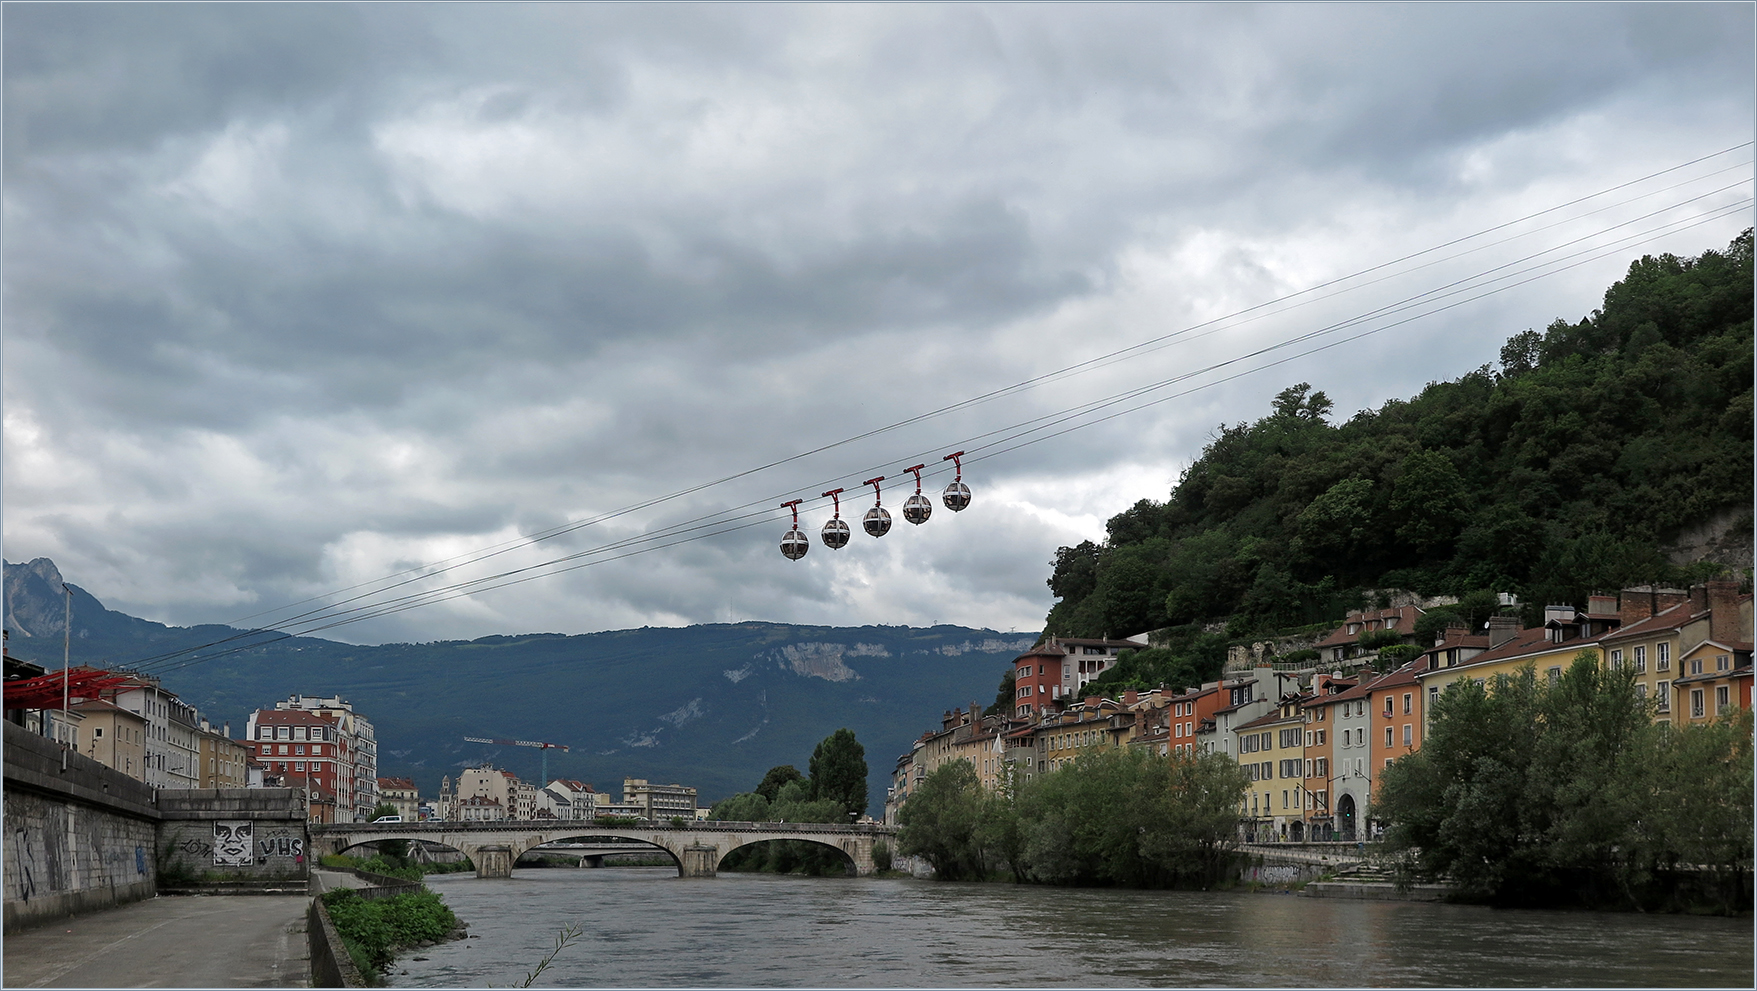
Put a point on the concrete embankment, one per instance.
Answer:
(193, 941)
(1376, 891)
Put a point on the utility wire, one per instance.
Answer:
(428, 570)
(719, 523)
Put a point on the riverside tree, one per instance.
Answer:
(1529, 792)
(838, 771)
(1123, 817)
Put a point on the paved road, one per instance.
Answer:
(188, 941)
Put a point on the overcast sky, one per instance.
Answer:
(300, 296)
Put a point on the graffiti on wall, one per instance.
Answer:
(233, 841)
(281, 843)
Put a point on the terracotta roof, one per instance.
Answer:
(1404, 675)
(1532, 641)
(1665, 619)
(1272, 716)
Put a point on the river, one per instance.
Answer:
(645, 927)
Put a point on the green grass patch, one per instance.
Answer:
(374, 930)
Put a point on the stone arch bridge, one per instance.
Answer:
(697, 847)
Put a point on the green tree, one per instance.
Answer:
(1566, 792)
(1131, 818)
(1337, 521)
(1430, 502)
(778, 776)
(1004, 695)
(838, 771)
(742, 807)
(940, 820)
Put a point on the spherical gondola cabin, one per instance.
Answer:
(795, 543)
(957, 496)
(917, 509)
(877, 521)
(836, 532)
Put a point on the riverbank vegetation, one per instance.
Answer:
(391, 865)
(1122, 817)
(373, 930)
(835, 791)
(1565, 470)
(1531, 792)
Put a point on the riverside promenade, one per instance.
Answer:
(188, 941)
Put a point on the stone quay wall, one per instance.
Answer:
(77, 839)
(80, 836)
(232, 838)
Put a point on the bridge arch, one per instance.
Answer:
(697, 847)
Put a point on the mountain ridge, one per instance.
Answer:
(713, 705)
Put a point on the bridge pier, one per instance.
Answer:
(590, 861)
(698, 860)
(493, 860)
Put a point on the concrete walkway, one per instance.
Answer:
(322, 881)
(188, 941)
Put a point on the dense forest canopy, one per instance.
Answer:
(1564, 471)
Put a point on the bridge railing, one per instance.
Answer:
(584, 827)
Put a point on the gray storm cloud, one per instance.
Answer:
(302, 295)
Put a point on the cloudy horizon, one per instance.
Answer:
(301, 296)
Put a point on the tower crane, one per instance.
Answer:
(543, 748)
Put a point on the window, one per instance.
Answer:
(299, 749)
(1662, 691)
(1662, 657)
(1720, 662)
(1284, 798)
(1408, 707)
(264, 733)
(1554, 674)
(1720, 699)
(1387, 762)
(1696, 666)
(1387, 738)
(1641, 691)
(1387, 705)
(283, 733)
(1616, 659)
(1408, 734)
(1696, 710)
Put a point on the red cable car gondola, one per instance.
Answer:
(957, 494)
(877, 521)
(795, 543)
(918, 508)
(836, 533)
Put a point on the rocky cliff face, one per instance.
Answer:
(35, 605)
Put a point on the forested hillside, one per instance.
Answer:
(1565, 470)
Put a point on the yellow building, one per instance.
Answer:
(1714, 680)
(965, 735)
(1661, 626)
(224, 761)
(1091, 726)
(1271, 749)
(112, 736)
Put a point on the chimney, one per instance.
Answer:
(1665, 598)
(1130, 697)
(1601, 605)
(1092, 702)
(1502, 629)
(1634, 605)
(1723, 616)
